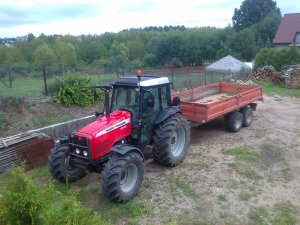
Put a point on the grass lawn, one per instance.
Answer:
(273, 88)
(33, 86)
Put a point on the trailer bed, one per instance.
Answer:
(206, 103)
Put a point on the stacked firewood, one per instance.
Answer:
(292, 76)
(266, 73)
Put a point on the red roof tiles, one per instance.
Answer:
(290, 25)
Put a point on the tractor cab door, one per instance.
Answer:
(150, 110)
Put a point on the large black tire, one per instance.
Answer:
(122, 176)
(59, 166)
(247, 113)
(234, 121)
(171, 140)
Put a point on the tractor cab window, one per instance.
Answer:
(125, 98)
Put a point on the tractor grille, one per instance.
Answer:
(79, 145)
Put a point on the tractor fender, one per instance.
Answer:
(165, 113)
(124, 149)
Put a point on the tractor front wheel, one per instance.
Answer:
(60, 167)
(122, 176)
(171, 140)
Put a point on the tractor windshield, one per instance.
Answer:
(125, 98)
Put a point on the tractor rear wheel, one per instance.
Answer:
(247, 113)
(60, 167)
(234, 122)
(171, 141)
(122, 176)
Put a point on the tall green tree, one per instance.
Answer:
(266, 29)
(65, 53)
(252, 11)
(44, 56)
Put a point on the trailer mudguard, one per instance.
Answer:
(165, 113)
(124, 149)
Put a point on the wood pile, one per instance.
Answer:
(292, 76)
(266, 73)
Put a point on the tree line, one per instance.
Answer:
(154, 47)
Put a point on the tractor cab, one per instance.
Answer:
(147, 99)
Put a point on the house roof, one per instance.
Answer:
(228, 64)
(289, 26)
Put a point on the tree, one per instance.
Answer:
(253, 11)
(65, 53)
(267, 28)
(44, 56)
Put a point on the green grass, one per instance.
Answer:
(35, 86)
(273, 88)
(282, 213)
(245, 195)
(244, 154)
(244, 159)
(222, 198)
(259, 216)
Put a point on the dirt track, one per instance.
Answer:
(220, 188)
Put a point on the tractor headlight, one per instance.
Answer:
(77, 151)
(85, 153)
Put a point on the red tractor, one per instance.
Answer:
(140, 114)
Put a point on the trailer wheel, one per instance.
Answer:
(60, 167)
(171, 141)
(234, 122)
(247, 113)
(122, 177)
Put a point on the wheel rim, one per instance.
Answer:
(68, 166)
(249, 117)
(238, 122)
(177, 141)
(129, 178)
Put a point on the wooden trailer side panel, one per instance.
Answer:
(224, 98)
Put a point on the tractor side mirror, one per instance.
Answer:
(176, 101)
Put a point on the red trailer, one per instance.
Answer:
(202, 104)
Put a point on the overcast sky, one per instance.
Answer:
(20, 17)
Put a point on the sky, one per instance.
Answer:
(75, 17)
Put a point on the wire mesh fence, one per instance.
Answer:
(32, 80)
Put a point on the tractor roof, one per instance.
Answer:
(146, 81)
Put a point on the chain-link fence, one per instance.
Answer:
(28, 80)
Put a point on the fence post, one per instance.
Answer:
(45, 80)
(204, 77)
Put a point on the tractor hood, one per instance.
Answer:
(106, 131)
(106, 124)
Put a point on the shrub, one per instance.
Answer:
(24, 202)
(21, 202)
(278, 58)
(74, 89)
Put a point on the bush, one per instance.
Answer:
(278, 58)
(24, 202)
(74, 89)
(21, 202)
